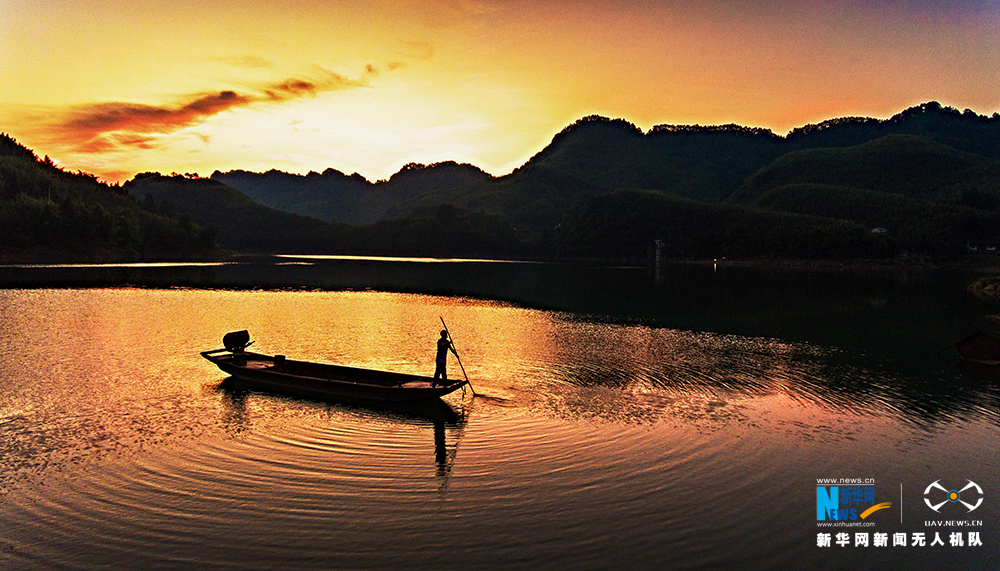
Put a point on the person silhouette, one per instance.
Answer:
(443, 346)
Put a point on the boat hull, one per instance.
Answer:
(322, 381)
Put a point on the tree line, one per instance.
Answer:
(49, 213)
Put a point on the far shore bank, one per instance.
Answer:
(43, 257)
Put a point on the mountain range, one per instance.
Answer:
(927, 180)
(928, 176)
(597, 155)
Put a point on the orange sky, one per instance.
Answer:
(116, 87)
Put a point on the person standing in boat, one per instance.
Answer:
(444, 345)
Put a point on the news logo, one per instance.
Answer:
(846, 503)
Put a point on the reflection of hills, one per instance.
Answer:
(855, 339)
(635, 375)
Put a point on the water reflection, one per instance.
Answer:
(629, 371)
(432, 410)
(235, 417)
(618, 437)
(637, 374)
(925, 310)
(441, 416)
(444, 454)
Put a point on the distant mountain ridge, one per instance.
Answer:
(242, 223)
(708, 163)
(927, 179)
(336, 197)
(597, 154)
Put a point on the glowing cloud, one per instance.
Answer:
(103, 127)
(481, 81)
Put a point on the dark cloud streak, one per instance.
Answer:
(104, 127)
(106, 117)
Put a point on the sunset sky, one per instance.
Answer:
(116, 87)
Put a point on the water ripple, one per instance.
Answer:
(123, 449)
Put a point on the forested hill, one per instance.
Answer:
(901, 164)
(243, 225)
(703, 163)
(709, 163)
(596, 155)
(927, 196)
(927, 177)
(966, 131)
(249, 227)
(49, 214)
(927, 180)
(896, 194)
(336, 197)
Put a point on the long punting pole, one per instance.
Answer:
(452, 341)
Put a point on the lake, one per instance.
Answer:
(691, 417)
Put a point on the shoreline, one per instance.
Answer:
(42, 258)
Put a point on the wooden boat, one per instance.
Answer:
(321, 380)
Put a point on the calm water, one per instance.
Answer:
(678, 419)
